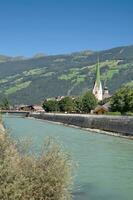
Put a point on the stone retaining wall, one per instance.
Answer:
(117, 124)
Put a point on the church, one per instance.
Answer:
(97, 90)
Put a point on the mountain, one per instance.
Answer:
(4, 58)
(39, 55)
(30, 80)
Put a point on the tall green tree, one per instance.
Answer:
(51, 106)
(89, 102)
(78, 104)
(122, 100)
(66, 104)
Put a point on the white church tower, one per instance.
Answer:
(97, 90)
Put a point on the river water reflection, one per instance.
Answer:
(105, 163)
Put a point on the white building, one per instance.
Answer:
(97, 90)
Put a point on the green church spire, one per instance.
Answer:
(98, 82)
(97, 90)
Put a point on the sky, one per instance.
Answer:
(28, 27)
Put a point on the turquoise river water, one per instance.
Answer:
(105, 163)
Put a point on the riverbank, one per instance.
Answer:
(121, 126)
(2, 130)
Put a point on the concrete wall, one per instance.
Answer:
(117, 124)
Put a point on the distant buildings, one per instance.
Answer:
(106, 94)
(34, 108)
(99, 110)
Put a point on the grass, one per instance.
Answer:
(129, 113)
(130, 84)
(59, 60)
(32, 72)
(74, 76)
(113, 113)
(119, 114)
(17, 87)
(74, 69)
(112, 64)
(13, 76)
(48, 74)
(3, 81)
(127, 65)
(23, 176)
(79, 79)
(76, 58)
(71, 74)
(109, 74)
(8, 78)
(74, 73)
(18, 80)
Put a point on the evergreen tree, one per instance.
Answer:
(89, 102)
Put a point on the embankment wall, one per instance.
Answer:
(118, 124)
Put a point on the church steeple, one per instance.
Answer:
(98, 74)
(97, 90)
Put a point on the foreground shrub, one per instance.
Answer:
(27, 177)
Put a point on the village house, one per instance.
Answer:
(33, 108)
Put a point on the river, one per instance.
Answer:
(105, 163)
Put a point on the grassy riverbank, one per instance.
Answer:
(24, 176)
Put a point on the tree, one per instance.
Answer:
(89, 102)
(122, 100)
(66, 104)
(78, 104)
(51, 106)
(4, 104)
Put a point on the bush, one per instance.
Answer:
(78, 104)
(51, 106)
(122, 100)
(66, 105)
(27, 177)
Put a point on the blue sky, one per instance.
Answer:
(28, 27)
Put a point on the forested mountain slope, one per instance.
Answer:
(31, 80)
